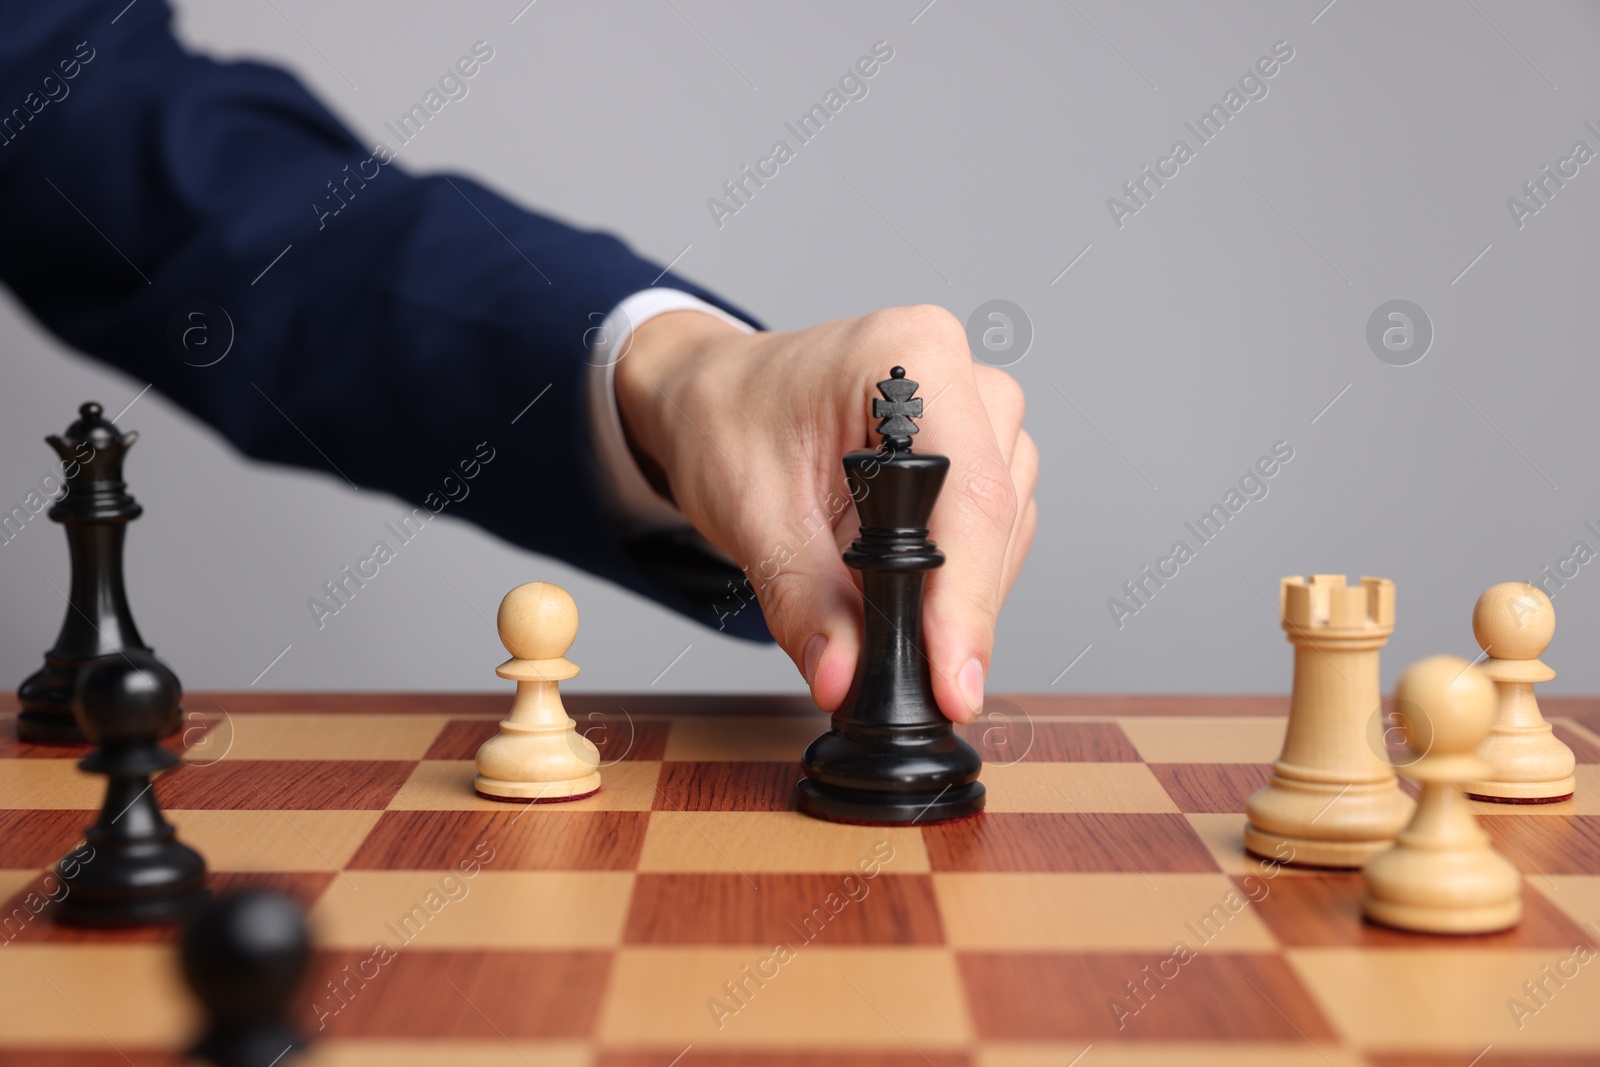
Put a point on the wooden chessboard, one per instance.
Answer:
(602, 931)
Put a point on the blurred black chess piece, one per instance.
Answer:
(891, 756)
(136, 871)
(96, 510)
(244, 959)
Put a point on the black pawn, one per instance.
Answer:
(891, 756)
(96, 511)
(136, 870)
(244, 959)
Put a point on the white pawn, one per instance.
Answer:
(1441, 876)
(1514, 623)
(538, 754)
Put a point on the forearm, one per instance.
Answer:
(382, 344)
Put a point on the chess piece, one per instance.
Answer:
(890, 755)
(95, 510)
(1441, 876)
(1332, 800)
(538, 753)
(138, 871)
(1528, 764)
(244, 959)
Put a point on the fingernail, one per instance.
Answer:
(814, 647)
(970, 682)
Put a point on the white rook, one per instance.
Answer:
(1333, 799)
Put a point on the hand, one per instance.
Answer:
(746, 433)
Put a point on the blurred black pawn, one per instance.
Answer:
(244, 959)
(95, 510)
(136, 871)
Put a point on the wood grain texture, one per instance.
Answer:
(121, 1056)
(1583, 749)
(752, 785)
(799, 1058)
(529, 838)
(39, 837)
(1136, 706)
(463, 994)
(302, 887)
(1214, 996)
(617, 738)
(285, 784)
(1033, 841)
(1325, 912)
(1033, 995)
(1489, 1058)
(1543, 845)
(1211, 787)
(192, 730)
(1017, 738)
(255, 702)
(793, 909)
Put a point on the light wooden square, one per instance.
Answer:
(491, 910)
(1576, 894)
(274, 840)
(1084, 787)
(48, 783)
(12, 882)
(1447, 998)
(1168, 1054)
(833, 997)
(1099, 912)
(88, 995)
(743, 841)
(34, 890)
(777, 737)
(500, 1052)
(1206, 740)
(446, 785)
(315, 737)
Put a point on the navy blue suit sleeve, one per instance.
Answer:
(386, 327)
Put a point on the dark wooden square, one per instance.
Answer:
(531, 838)
(1097, 841)
(742, 785)
(1211, 787)
(794, 909)
(1215, 996)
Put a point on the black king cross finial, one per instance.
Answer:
(898, 409)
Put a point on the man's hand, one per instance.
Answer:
(746, 433)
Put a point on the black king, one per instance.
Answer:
(890, 756)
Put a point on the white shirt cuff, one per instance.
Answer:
(624, 491)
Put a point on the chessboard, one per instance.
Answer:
(1100, 911)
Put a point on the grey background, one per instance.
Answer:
(1224, 317)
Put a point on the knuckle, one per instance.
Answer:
(927, 327)
(935, 321)
(989, 488)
